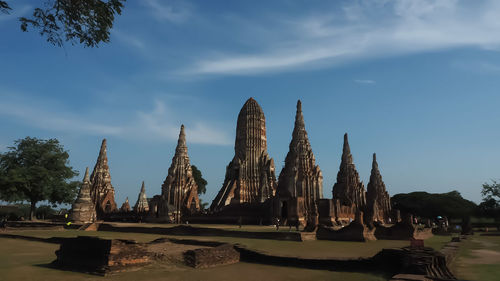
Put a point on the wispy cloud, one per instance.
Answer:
(362, 29)
(129, 39)
(157, 124)
(171, 11)
(45, 118)
(364, 81)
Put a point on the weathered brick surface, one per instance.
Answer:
(100, 256)
(210, 257)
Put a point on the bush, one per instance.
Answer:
(14, 212)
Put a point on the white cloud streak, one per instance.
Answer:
(368, 29)
(175, 12)
(364, 81)
(156, 125)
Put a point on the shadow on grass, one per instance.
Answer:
(64, 269)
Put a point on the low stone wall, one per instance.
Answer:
(210, 257)
(353, 232)
(100, 256)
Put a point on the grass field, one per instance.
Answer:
(478, 259)
(27, 261)
(307, 249)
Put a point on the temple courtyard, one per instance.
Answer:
(477, 259)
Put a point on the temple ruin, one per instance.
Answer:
(378, 201)
(250, 176)
(142, 205)
(83, 210)
(101, 191)
(125, 206)
(300, 182)
(348, 189)
(250, 193)
(179, 190)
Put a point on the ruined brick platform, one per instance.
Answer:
(100, 256)
(210, 257)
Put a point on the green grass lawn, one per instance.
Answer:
(478, 259)
(437, 242)
(307, 249)
(27, 260)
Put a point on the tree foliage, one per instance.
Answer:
(37, 170)
(200, 181)
(490, 207)
(87, 22)
(431, 205)
(4, 7)
(491, 192)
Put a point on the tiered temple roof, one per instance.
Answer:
(101, 191)
(349, 189)
(125, 206)
(179, 188)
(300, 177)
(83, 210)
(250, 176)
(142, 201)
(378, 201)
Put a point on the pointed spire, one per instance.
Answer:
(300, 177)
(299, 118)
(83, 209)
(125, 206)
(103, 145)
(346, 151)
(86, 178)
(142, 201)
(377, 198)
(374, 163)
(348, 188)
(181, 148)
(102, 191)
(102, 158)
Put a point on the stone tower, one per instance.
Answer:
(83, 210)
(142, 201)
(125, 206)
(250, 176)
(349, 189)
(101, 191)
(300, 177)
(179, 188)
(378, 201)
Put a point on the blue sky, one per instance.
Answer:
(417, 82)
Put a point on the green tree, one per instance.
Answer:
(430, 205)
(490, 207)
(86, 22)
(45, 211)
(200, 181)
(37, 170)
(491, 192)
